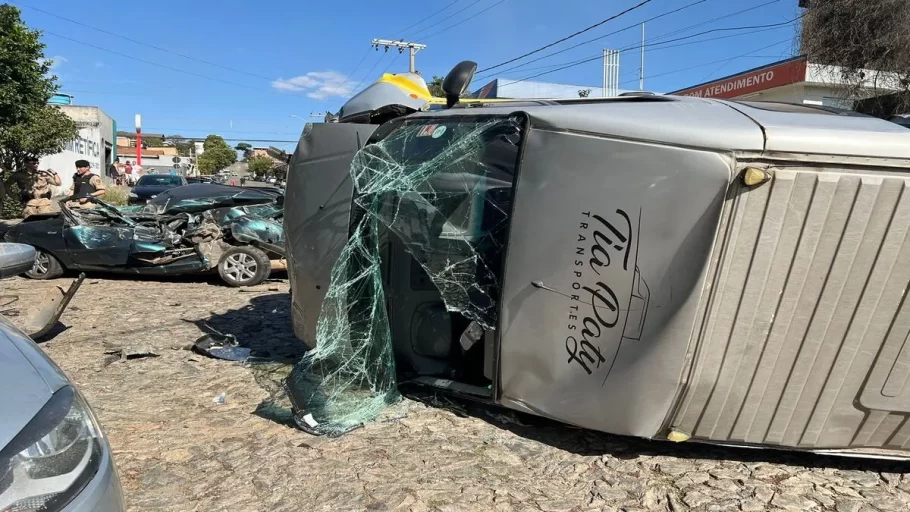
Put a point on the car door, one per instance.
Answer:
(97, 244)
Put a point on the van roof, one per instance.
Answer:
(714, 124)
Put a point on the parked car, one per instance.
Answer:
(190, 229)
(53, 452)
(151, 185)
(673, 268)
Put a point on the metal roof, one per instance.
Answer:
(715, 124)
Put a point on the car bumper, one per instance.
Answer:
(103, 493)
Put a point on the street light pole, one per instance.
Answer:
(138, 139)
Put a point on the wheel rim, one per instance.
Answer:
(240, 267)
(42, 264)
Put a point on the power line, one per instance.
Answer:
(351, 74)
(469, 18)
(370, 72)
(409, 27)
(688, 68)
(655, 39)
(554, 43)
(447, 18)
(190, 73)
(125, 38)
(630, 48)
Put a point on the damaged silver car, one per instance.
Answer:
(191, 229)
(671, 268)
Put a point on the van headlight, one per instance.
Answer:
(133, 195)
(53, 458)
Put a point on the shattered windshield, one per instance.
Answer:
(443, 190)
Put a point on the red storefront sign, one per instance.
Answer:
(783, 73)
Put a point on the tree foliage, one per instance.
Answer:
(868, 39)
(584, 93)
(10, 205)
(217, 155)
(152, 142)
(435, 87)
(246, 148)
(29, 127)
(260, 164)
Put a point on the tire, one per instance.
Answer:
(244, 265)
(47, 266)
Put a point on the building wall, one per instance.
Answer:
(95, 143)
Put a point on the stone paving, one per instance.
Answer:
(178, 448)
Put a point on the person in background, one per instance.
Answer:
(35, 187)
(86, 184)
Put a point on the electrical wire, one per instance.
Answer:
(688, 68)
(137, 59)
(469, 18)
(654, 39)
(369, 73)
(447, 18)
(636, 47)
(409, 27)
(357, 67)
(554, 43)
(125, 38)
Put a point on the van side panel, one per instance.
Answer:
(606, 262)
(802, 340)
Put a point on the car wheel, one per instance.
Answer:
(244, 265)
(46, 266)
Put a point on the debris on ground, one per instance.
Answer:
(127, 353)
(222, 346)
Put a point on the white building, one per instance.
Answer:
(96, 143)
(793, 80)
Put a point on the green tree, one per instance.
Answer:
(217, 155)
(435, 87)
(246, 148)
(10, 205)
(152, 142)
(584, 93)
(29, 127)
(260, 165)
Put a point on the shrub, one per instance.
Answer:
(116, 195)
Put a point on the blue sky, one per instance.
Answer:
(268, 61)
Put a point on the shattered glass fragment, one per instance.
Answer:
(443, 190)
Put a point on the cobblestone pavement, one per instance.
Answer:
(177, 449)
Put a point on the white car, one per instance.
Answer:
(53, 454)
(272, 181)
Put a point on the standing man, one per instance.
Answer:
(35, 187)
(86, 184)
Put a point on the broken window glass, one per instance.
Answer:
(443, 189)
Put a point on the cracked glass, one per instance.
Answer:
(442, 188)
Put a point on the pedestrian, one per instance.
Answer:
(129, 173)
(86, 185)
(35, 187)
(242, 181)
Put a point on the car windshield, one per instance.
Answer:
(156, 180)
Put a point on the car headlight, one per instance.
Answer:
(53, 458)
(133, 195)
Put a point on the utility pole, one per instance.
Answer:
(138, 139)
(413, 48)
(641, 70)
(611, 73)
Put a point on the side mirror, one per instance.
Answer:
(457, 81)
(16, 259)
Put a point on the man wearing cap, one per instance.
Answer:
(35, 187)
(86, 184)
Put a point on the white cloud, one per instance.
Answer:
(318, 85)
(56, 61)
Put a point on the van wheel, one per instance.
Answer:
(244, 265)
(46, 266)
